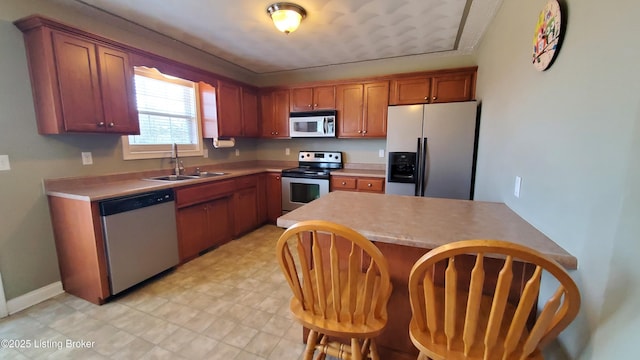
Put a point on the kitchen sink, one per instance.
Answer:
(173, 177)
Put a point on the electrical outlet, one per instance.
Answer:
(381, 153)
(206, 153)
(237, 152)
(516, 188)
(87, 159)
(287, 151)
(4, 163)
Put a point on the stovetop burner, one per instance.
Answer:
(315, 165)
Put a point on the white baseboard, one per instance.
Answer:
(3, 301)
(34, 297)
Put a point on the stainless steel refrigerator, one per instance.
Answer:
(431, 150)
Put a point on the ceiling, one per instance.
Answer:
(334, 31)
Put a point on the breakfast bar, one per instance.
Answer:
(404, 228)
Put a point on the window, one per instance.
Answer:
(168, 113)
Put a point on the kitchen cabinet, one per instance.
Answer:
(250, 127)
(204, 217)
(357, 183)
(274, 196)
(245, 203)
(79, 84)
(274, 114)
(362, 109)
(313, 98)
(435, 88)
(228, 110)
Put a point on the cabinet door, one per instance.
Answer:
(193, 232)
(208, 110)
(349, 101)
(410, 91)
(343, 183)
(266, 114)
(302, 99)
(451, 88)
(324, 98)
(78, 83)
(371, 185)
(220, 229)
(246, 210)
(280, 114)
(376, 101)
(274, 197)
(250, 113)
(118, 91)
(229, 109)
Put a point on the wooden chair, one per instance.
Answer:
(341, 286)
(454, 319)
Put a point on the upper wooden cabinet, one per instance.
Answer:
(362, 109)
(250, 127)
(228, 110)
(274, 113)
(313, 98)
(436, 88)
(79, 84)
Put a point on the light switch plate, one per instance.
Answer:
(4, 163)
(381, 153)
(516, 188)
(87, 159)
(237, 152)
(287, 151)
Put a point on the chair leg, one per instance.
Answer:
(311, 345)
(356, 353)
(323, 341)
(373, 351)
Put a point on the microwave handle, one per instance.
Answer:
(326, 125)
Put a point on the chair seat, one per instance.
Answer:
(343, 327)
(438, 349)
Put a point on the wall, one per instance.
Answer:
(361, 151)
(571, 134)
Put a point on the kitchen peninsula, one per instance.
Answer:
(404, 228)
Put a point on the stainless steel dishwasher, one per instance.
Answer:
(140, 236)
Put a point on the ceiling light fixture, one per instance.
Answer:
(286, 16)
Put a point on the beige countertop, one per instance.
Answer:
(111, 186)
(426, 222)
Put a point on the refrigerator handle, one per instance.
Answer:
(424, 170)
(418, 175)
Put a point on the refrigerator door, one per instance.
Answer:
(404, 130)
(450, 131)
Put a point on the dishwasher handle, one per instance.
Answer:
(133, 202)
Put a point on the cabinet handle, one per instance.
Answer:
(369, 185)
(344, 183)
(273, 133)
(276, 133)
(434, 98)
(277, 177)
(315, 105)
(426, 98)
(309, 105)
(111, 124)
(364, 131)
(101, 124)
(359, 131)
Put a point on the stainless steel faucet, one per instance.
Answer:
(178, 164)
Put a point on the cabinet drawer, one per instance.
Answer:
(205, 192)
(373, 184)
(343, 183)
(246, 182)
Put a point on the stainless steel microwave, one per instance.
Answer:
(312, 124)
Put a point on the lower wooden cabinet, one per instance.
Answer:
(274, 197)
(204, 226)
(204, 217)
(245, 203)
(357, 183)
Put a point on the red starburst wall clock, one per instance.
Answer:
(547, 37)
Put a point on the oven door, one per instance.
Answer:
(299, 191)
